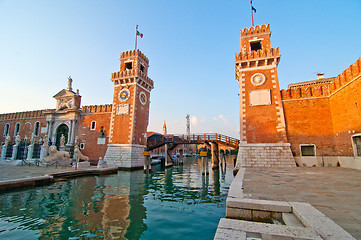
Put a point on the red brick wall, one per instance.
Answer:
(346, 115)
(309, 121)
(326, 115)
(90, 137)
(121, 123)
(261, 121)
(27, 122)
(141, 119)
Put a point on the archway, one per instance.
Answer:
(62, 129)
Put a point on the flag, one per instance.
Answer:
(253, 9)
(139, 34)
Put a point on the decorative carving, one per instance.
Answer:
(80, 155)
(54, 154)
(62, 141)
(7, 139)
(17, 139)
(46, 140)
(66, 104)
(32, 139)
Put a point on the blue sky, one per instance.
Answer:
(190, 44)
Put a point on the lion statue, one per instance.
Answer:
(79, 155)
(55, 155)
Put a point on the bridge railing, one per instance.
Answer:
(194, 138)
(207, 137)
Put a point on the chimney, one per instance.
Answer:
(320, 76)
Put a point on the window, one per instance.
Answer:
(82, 145)
(128, 65)
(141, 68)
(17, 128)
(92, 125)
(356, 140)
(256, 46)
(6, 129)
(308, 150)
(36, 128)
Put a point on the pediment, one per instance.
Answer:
(64, 93)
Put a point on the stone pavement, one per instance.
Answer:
(8, 172)
(336, 192)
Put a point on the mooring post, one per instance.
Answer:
(147, 163)
(168, 156)
(205, 170)
(215, 155)
(181, 156)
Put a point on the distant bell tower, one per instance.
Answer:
(261, 111)
(130, 111)
(164, 131)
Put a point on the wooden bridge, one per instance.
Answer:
(157, 140)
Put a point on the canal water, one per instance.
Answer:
(172, 203)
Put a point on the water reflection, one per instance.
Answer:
(177, 202)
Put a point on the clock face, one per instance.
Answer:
(142, 98)
(124, 95)
(258, 79)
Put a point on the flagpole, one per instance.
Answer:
(136, 37)
(252, 14)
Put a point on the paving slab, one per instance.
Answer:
(335, 192)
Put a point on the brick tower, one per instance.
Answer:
(262, 123)
(130, 111)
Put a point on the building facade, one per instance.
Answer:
(116, 132)
(318, 120)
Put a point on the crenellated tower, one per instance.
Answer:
(261, 111)
(130, 111)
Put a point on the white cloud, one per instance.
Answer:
(194, 120)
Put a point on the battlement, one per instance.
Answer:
(305, 92)
(256, 30)
(106, 108)
(133, 53)
(323, 87)
(349, 74)
(125, 77)
(23, 115)
(262, 53)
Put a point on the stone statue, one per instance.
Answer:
(54, 155)
(76, 141)
(70, 81)
(101, 134)
(77, 92)
(102, 163)
(32, 139)
(46, 140)
(41, 141)
(17, 139)
(7, 139)
(79, 155)
(62, 141)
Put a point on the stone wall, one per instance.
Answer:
(265, 155)
(127, 156)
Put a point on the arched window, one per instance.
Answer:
(36, 128)
(6, 129)
(17, 128)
